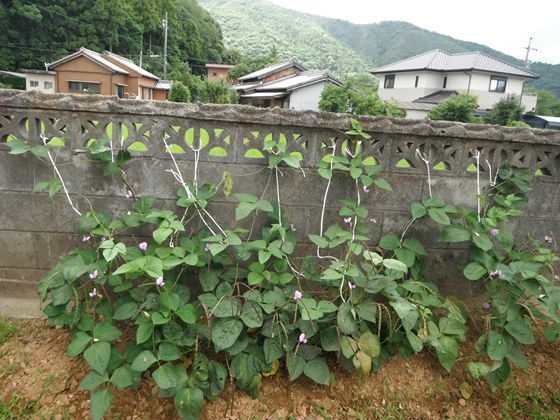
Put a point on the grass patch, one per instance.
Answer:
(7, 329)
(529, 403)
(17, 408)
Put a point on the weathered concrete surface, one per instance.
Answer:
(35, 230)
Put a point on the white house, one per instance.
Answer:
(419, 83)
(42, 80)
(286, 85)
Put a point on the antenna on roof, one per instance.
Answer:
(529, 49)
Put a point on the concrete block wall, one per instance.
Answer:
(35, 230)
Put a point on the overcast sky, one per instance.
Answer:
(503, 25)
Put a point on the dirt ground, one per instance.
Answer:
(38, 380)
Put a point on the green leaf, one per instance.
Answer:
(143, 361)
(161, 234)
(18, 147)
(447, 351)
(520, 331)
(243, 210)
(395, 265)
(348, 346)
(92, 380)
(455, 233)
(317, 370)
(474, 271)
(100, 403)
(273, 350)
(189, 403)
(106, 331)
(164, 376)
(98, 355)
(415, 246)
(325, 173)
(369, 344)
(383, 184)
(418, 210)
(124, 377)
(62, 295)
(126, 311)
(390, 242)
(144, 332)
(111, 253)
(225, 332)
(478, 369)
(439, 215)
(168, 352)
(355, 172)
(187, 313)
(497, 347)
(79, 342)
(499, 375)
(345, 319)
(405, 256)
(252, 314)
(367, 311)
(40, 186)
(215, 249)
(319, 241)
(482, 241)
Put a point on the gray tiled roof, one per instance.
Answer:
(95, 56)
(436, 97)
(296, 80)
(130, 64)
(270, 69)
(438, 60)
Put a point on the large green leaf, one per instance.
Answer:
(225, 332)
(92, 380)
(395, 265)
(317, 370)
(126, 311)
(98, 355)
(106, 331)
(143, 361)
(345, 319)
(497, 347)
(439, 216)
(390, 241)
(79, 342)
(369, 344)
(124, 377)
(520, 331)
(189, 403)
(252, 314)
(447, 351)
(482, 241)
(164, 376)
(474, 271)
(478, 369)
(455, 233)
(187, 313)
(100, 403)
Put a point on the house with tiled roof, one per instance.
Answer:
(107, 73)
(286, 85)
(421, 82)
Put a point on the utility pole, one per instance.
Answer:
(141, 48)
(529, 49)
(165, 25)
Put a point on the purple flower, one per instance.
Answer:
(494, 232)
(207, 247)
(128, 194)
(93, 292)
(86, 238)
(351, 285)
(143, 246)
(348, 220)
(302, 338)
(497, 273)
(160, 282)
(365, 189)
(486, 305)
(93, 275)
(293, 227)
(548, 239)
(297, 295)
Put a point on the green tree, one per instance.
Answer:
(372, 104)
(335, 98)
(505, 111)
(457, 108)
(216, 92)
(547, 103)
(179, 92)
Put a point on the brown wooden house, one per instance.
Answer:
(87, 71)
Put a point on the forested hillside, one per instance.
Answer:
(254, 26)
(38, 31)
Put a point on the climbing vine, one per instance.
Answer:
(199, 308)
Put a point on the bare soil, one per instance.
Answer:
(38, 380)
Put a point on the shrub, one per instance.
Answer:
(179, 93)
(505, 112)
(457, 108)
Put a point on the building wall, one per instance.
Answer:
(217, 73)
(35, 230)
(280, 74)
(41, 79)
(83, 69)
(307, 97)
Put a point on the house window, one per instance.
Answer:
(498, 84)
(48, 85)
(120, 90)
(88, 87)
(33, 83)
(389, 81)
(444, 82)
(214, 73)
(416, 81)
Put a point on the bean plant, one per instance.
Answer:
(197, 307)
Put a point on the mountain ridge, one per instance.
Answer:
(307, 37)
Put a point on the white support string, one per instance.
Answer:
(59, 176)
(278, 197)
(476, 156)
(492, 181)
(424, 159)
